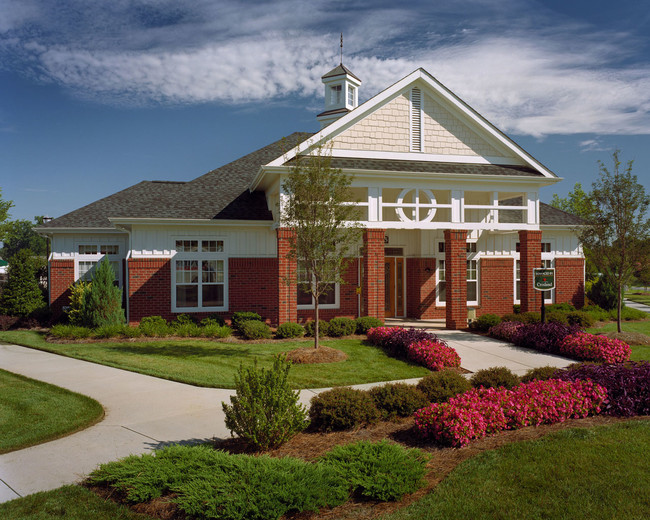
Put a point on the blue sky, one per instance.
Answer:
(96, 96)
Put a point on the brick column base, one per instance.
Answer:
(530, 257)
(373, 290)
(61, 278)
(456, 278)
(287, 290)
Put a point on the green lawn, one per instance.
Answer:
(33, 412)
(639, 352)
(214, 364)
(69, 503)
(644, 297)
(599, 473)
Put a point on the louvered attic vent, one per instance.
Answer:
(416, 120)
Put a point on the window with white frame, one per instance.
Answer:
(472, 274)
(442, 282)
(336, 93)
(351, 95)
(472, 282)
(88, 257)
(304, 300)
(199, 275)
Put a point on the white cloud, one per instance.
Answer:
(551, 76)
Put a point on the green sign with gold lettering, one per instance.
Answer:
(544, 279)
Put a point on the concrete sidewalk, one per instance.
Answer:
(144, 413)
(638, 306)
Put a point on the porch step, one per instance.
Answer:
(416, 324)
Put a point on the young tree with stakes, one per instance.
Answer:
(317, 205)
(618, 224)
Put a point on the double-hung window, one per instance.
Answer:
(304, 300)
(89, 255)
(199, 275)
(472, 274)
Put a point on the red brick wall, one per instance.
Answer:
(372, 291)
(253, 286)
(497, 279)
(286, 292)
(530, 255)
(456, 278)
(421, 289)
(150, 289)
(61, 278)
(348, 298)
(569, 281)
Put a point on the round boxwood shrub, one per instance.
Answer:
(253, 329)
(238, 318)
(154, 326)
(290, 330)
(485, 322)
(365, 323)
(441, 386)
(338, 327)
(583, 319)
(398, 399)
(557, 317)
(213, 319)
(494, 377)
(539, 374)
(342, 409)
(323, 329)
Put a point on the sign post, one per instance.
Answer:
(544, 280)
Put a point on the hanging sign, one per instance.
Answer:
(544, 279)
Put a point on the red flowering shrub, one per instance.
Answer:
(482, 411)
(505, 330)
(589, 347)
(433, 354)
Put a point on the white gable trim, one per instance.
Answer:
(363, 110)
(407, 156)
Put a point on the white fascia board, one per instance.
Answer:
(418, 156)
(192, 222)
(75, 231)
(419, 74)
(561, 227)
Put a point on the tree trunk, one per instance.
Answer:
(316, 328)
(619, 305)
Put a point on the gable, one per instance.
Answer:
(388, 129)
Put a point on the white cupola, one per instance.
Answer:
(341, 94)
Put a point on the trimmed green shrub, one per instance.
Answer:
(494, 377)
(154, 326)
(562, 307)
(557, 317)
(103, 302)
(378, 470)
(241, 316)
(441, 386)
(213, 484)
(290, 330)
(214, 330)
(596, 312)
(186, 329)
(583, 319)
(398, 399)
(342, 408)
(21, 295)
(628, 314)
(113, 331)
(265, 411)
(62, 331)
(539, 374)
(512, 317)
(603, 293)
(483, 323)
(323, 329)
(529, 317)
(253, 329)
(78, 295)
(338, 327)
(213, 319)
(365, 323)
(183, 319)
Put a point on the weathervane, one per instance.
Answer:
(341, 48)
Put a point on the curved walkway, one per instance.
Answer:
(144, 413)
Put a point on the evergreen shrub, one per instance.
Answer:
(214, 330)
(103, 302)
(323, 328)
(265, 411)
(365, 323)
(494, 377)
(290, 330)
(154, 326)
(584, 320)
(253, 329)
(398, 399)
(338, 327)
(78, 297)
(485, 322)
(381, 470)
(539, 374)
(21, 295)
(441, 386)
(342, 408)
(213, 319)
(241, 316)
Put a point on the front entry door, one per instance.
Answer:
(394, 287)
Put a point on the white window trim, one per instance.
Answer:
(335, 305)
(440, 256)
(199, 256)
(97, 257)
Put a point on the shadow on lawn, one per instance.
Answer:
(183, 351)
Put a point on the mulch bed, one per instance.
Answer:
(631, 338)
(310, 446)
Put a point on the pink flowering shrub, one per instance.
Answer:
(433, 354)
(505, 330)
(381, 335)
(589, 347)
(482, 411)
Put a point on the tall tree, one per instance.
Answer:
(318, 206)
(21, 295)
(618, 224)
(5, 206)
(19, 234)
